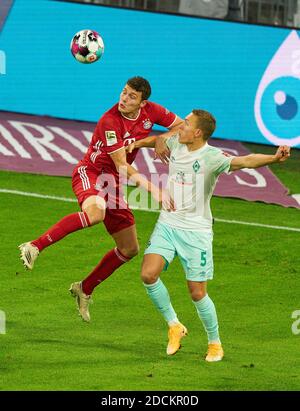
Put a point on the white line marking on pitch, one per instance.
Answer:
(73, 200)
(26, 194)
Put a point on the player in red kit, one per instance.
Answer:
(96, 184)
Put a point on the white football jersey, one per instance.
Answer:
(191, 182)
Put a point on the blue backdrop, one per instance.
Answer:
(223, 67)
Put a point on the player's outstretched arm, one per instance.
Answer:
(260, 160)
(145, 142)
(157, 142)
(126, 170)
(161, 149)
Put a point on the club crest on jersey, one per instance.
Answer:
(196, 166)
(111, 137)
(147, 124)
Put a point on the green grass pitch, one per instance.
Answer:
(256, 289)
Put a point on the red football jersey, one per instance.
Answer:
(114, 131)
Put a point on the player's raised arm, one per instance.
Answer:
(145, 142)
(126, 170)
(260, 160)
(161, 149)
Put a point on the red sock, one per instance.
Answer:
(65, 226)
(109, 263)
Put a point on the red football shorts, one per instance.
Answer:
(87, 182)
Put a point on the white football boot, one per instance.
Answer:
(29, 254)
(82, 301)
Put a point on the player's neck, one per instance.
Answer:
(196, 145)
(133, 115)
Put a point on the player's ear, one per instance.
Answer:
(199, 133)
(143, 103)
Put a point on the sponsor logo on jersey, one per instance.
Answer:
(180, 177)
(172, 158)
(129, 141)
(111, 137)
(147, 124)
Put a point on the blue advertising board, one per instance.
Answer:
(247, 76)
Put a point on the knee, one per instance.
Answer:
(197, 295)
(95, 214)
(148, 275)
(130, 251)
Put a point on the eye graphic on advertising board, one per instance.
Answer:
(277, 102)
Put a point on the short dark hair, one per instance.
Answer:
(140, 84)
(206, 122)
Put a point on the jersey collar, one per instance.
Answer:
(132, 119)
(199, 149)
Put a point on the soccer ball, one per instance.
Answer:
(87, 46)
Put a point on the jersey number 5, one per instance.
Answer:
(203, 258)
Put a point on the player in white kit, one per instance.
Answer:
(194, 167)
